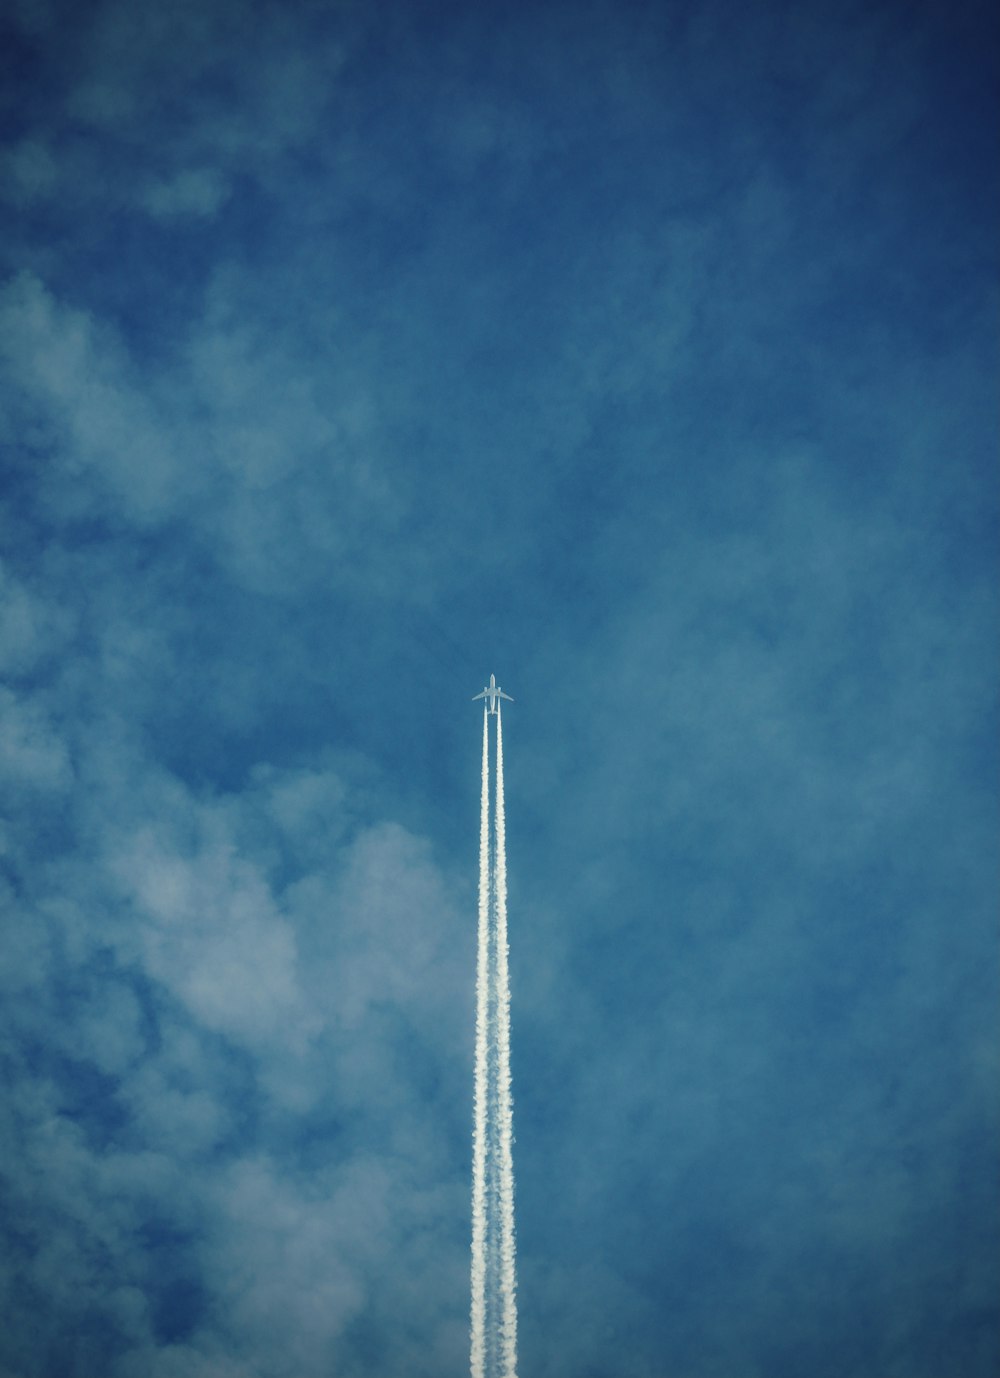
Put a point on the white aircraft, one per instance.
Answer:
(492, 692)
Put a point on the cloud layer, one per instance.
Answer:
(647, 358)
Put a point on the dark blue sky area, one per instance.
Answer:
(645, 355)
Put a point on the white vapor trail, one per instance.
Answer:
(493, 1341)
(478, 1337)
(505, 1113)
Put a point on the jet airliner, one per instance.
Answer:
(492, 692)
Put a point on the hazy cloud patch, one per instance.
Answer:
(194, 192)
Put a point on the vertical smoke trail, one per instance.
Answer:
(478, 1326)
(493, 1343)
(504, 1126)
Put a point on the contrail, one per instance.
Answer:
(493, 1342)
(505, 1114)
(481, 1089)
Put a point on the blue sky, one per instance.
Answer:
(646, 355)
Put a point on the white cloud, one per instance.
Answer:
(32, 754)
(108, 1030)
(30, 626)
(29, 172)
(304, 801)
(135, 67)
(103, 426)
(210, 1012)
(382, 928)
(210, 930)
(277, 471)
(198, 192)
(186, 1122)
(317, 1240)
(26, 950)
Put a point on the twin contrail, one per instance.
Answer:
(479, 1230)
(493, 1341)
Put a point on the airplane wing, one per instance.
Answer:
(502, 695)
(480, 696)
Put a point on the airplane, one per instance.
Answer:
(492, 692)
